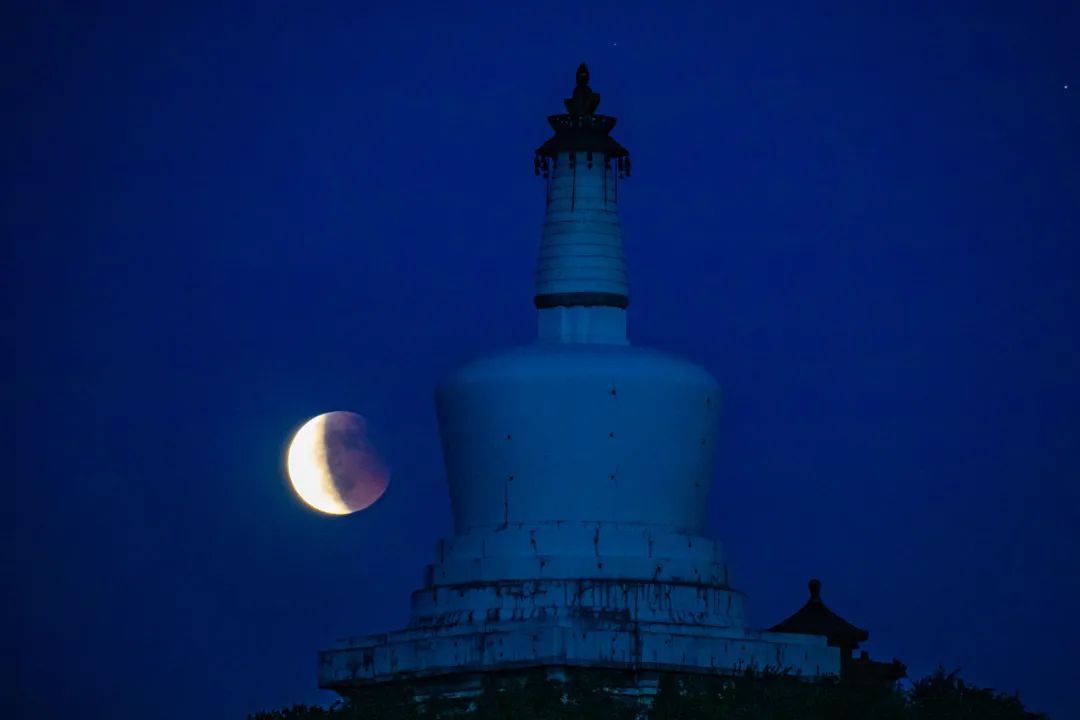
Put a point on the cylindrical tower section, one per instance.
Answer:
(581, 254)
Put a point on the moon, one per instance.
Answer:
(333, 465)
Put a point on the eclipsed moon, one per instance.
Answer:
(333, 465)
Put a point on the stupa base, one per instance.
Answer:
(426, 654)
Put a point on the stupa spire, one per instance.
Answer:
(581, 279)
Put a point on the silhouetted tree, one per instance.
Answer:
(752, 695)
(296, 712)
(943, 695)
(532, 697)
(592, 695)
(395, 702)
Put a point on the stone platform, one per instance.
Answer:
(629, 598)
(605, 624)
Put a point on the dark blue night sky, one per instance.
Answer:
(864, 220)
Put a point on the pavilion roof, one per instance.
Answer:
(814, 618)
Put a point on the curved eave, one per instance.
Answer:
(816, 619)
(586, 133)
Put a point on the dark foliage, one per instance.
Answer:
(944, 695)
(533, 697)
(593, 695)
(297, 712)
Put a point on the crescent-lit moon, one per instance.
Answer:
(333, 466)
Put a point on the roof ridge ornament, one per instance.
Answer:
(584, 101)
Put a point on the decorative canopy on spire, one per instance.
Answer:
(816, 619)
(580, 129)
